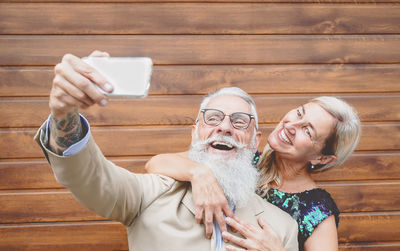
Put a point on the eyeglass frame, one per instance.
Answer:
(229, 115)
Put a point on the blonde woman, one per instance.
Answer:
(312, 137)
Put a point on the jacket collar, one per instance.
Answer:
(252, 210)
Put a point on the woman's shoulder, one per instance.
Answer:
(318, 197)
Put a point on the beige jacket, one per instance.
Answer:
(158, 211)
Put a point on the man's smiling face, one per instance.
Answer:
(226, 150)
(228, 104)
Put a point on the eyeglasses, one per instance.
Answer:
(214, 117)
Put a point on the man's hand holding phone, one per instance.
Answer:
(74, 85)
(80, 83)
(129, 76)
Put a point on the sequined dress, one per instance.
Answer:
(308, 208)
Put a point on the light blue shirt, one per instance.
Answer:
(78, 146)
(218, 234)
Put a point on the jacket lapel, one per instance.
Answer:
(187, 200)
(251, 212)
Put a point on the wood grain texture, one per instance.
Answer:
(255, 79)
(149, 140)
(370, 246)
(206, 49)
(111, 236)
(365, 227)
(42, 206)
(198, 18)
(365, 196)
(59, 205)
(364, 166)
(37, 174)
(205, 1)
(182, 110)
(88, 236)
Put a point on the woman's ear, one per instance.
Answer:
(324, 160)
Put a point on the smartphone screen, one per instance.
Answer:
(129, 76)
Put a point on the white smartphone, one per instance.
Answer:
(129, 76)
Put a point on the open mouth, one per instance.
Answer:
(285, 138)
(223, 146)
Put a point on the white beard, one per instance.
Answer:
(236, 174)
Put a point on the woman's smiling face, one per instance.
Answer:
(302, 133)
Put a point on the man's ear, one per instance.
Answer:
(324, 159)
(257, 140)
(193, 133)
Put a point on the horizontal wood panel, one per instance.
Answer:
(255, 79)
(31, 174)
(64, 236)
(182, 110)
(206, 49)
(364, 166)
(365, 196)
(379, 137)
(59, 205)
(153, 140)
(42, 206)
(366, 227)
(127, 141)
(111, 236)
(198, 18)
(206, 1)
(371, 246)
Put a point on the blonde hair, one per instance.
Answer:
(341, 143)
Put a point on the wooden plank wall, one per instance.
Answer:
(283, 52)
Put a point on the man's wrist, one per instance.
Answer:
(199, 171)
(65, 131)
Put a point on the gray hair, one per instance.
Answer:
(233, 91)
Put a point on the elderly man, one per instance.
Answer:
(157, 211)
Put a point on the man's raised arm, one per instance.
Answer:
(73, 88)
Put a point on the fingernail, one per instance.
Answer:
(108, 87)
(224, 236)
(103, 102)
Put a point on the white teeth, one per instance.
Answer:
(222, 143)
(284, 137)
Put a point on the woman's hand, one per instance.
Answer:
(256, 239)
(209, 199)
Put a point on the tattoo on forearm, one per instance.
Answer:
(65, 132)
